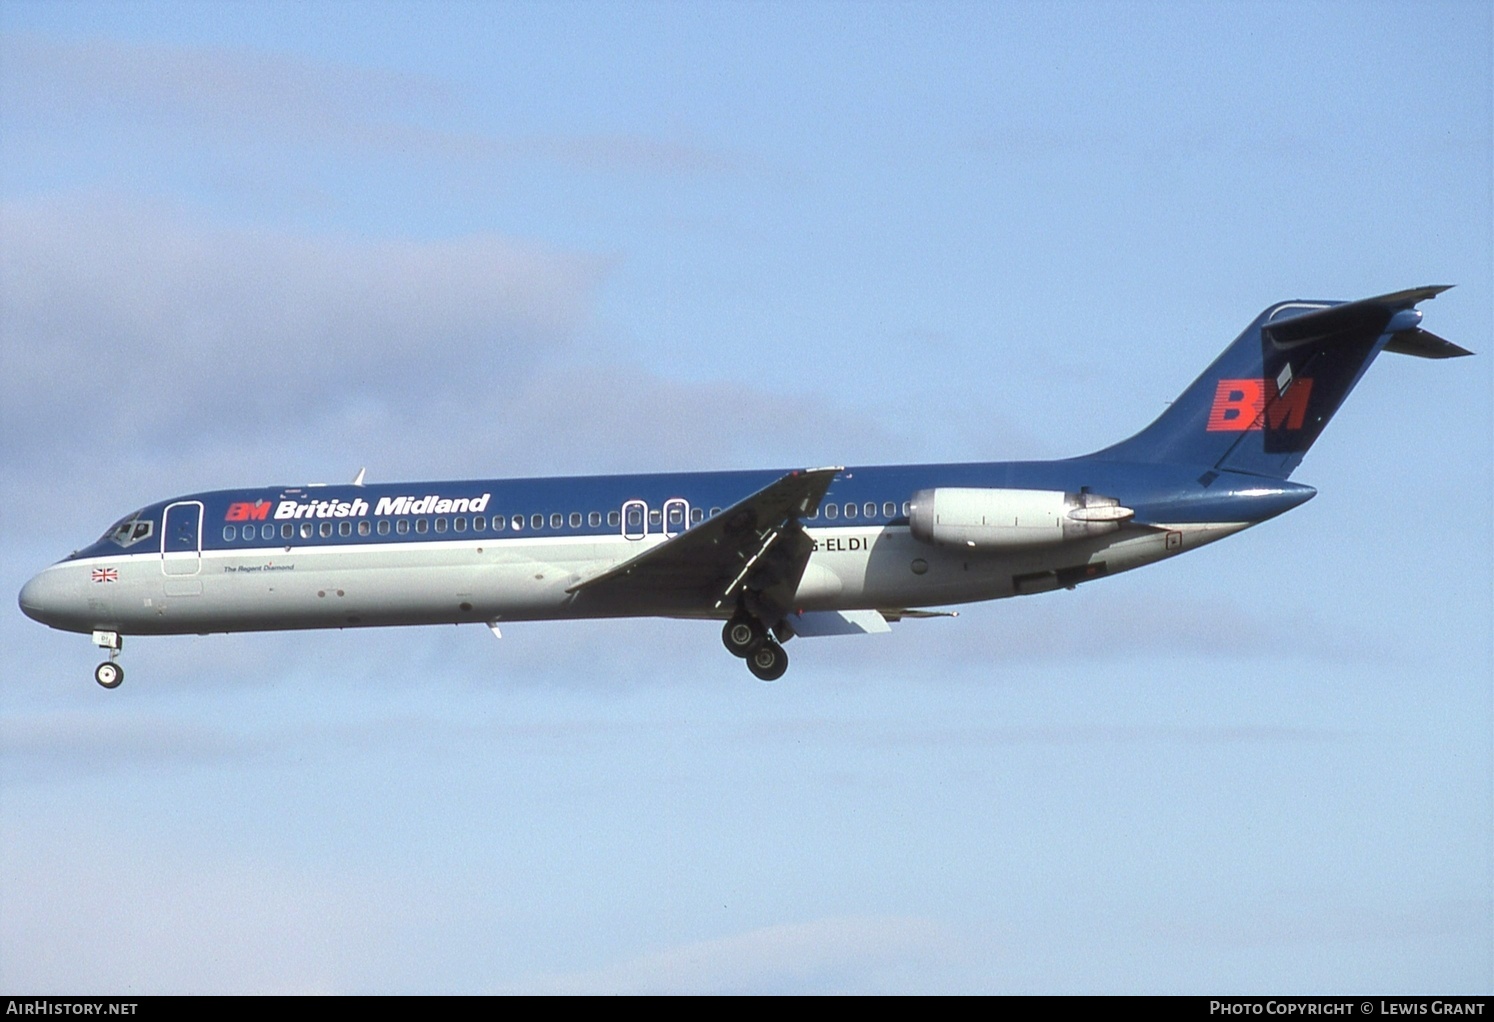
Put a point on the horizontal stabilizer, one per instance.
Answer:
(1367, 315)
(817, 623)
(1424, 344)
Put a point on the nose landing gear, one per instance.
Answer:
(110, 673)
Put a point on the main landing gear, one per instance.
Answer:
(745, 636)
(110, 673)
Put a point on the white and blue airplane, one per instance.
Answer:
(772, 554)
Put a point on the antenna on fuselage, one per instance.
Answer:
(358, 479)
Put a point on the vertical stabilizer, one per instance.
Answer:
(1264, 401)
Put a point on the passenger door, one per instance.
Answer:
(181, 538)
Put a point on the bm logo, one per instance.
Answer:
(1240, 405)
(240, 511)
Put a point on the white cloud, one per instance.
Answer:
(235, 108)
(207, 88)
(129, 322)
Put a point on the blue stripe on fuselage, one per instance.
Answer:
(1157, 493)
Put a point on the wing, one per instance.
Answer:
(754, 551)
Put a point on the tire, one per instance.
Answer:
(768, 662)
(742, 635)
(109, 674)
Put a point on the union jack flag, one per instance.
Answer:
(105, 575)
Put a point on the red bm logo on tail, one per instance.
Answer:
(1240, 405)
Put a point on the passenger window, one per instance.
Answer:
(813, 514)
(715, 511)
(654, 518)
(536, 521)
(326, 530)
(229, 532)
(383, 526)
(594, 518)
(889, 509)
(422, 525)
(365, 527)
(850, 510)
(676, 515)
(459, 524)
(307, 530)
(344, 528)
(441, 524)
(869, 509)
(479, 523)
(402, 526)
(696, 514)
(832, 511)
(635, 517)
(287, 531)
(518, 523)
(499, 522)
(613, 518)
(557, 520)
(575, 519)
(267, 532)
(907, 508)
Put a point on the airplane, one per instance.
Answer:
(771, 554)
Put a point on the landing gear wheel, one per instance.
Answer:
(742, 635)
(108, 674)
(768, 661)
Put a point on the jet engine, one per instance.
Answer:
(1000, 519)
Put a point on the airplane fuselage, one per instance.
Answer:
(509, 550)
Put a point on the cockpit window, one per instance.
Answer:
(129, 531)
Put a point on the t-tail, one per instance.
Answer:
(1264, 401)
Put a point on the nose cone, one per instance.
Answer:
(51, 598)
(31, 599)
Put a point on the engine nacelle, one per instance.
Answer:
(998, 519)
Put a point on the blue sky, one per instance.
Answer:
(264, 243)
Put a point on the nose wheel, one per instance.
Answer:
(109, 673)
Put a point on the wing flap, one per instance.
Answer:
(915, 614)
(811, 624)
